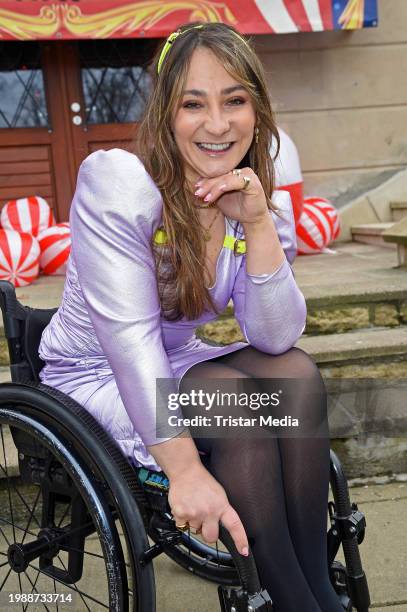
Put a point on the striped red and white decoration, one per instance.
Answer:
(32, 215)
(284, 16)
(318, 226)
(55, 245)
(288, 171)
(19, 257)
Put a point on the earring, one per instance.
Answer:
(256, 132)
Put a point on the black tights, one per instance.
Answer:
(278, 486)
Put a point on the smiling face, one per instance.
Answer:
(216, 110)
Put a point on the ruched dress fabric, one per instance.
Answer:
(108, 342)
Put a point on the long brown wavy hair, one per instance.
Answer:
(181, 262)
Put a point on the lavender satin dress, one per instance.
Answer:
(107, 343)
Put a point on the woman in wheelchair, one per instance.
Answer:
(162, 239)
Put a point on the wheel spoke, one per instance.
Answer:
(19, 582)
(22, 499)
(8, 481)
(4, 535)
(5, 580)
(36, 580)
(75, 589)
(65, 513)
(55, 591)
(3, 520)
(85, 552)
(34, 589)
(31, 514)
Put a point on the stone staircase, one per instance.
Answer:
(371, 233)
(356, 331)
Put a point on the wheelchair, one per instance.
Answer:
(76, 517)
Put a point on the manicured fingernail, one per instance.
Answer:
(222, 187)
(208, 197)
(245, 551)
(198, 183)
(198, 191)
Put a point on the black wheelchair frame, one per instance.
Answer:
(70, 460)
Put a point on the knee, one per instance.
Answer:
(294, 363)
(302, 364)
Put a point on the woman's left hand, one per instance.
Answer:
(244, 205)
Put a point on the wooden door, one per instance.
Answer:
(94, 94)
(105, 88)
(30, 132)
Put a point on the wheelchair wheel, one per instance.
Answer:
(70, 523)
(46, 545)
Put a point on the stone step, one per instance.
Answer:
(353, 347)
(343, 308)
(371, 233)
(398, 210)
(397, 235)
(360, 349)
(358, 287)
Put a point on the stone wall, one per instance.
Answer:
(342, 97)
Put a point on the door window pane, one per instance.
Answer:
(22, 94)
(115, 79)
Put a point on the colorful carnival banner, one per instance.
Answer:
(65, 19)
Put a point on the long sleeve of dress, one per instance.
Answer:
(115, 210)
(270, 308)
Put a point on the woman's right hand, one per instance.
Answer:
(197, 497)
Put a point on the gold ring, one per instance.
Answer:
(247, 180)
(237, 171)
(183, 527)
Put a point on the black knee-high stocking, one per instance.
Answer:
(278, 486)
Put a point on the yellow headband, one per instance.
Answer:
(175, 35)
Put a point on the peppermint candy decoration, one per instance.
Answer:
(318, 226)
(31, 215)
(19, 257)
(55, 245)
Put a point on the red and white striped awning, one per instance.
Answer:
(70, 19)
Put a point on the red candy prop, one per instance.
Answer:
(318, 226)
(19, 257)
(55, 245)
(31, 215)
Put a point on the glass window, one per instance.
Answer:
(22, 94)
(115, 78)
